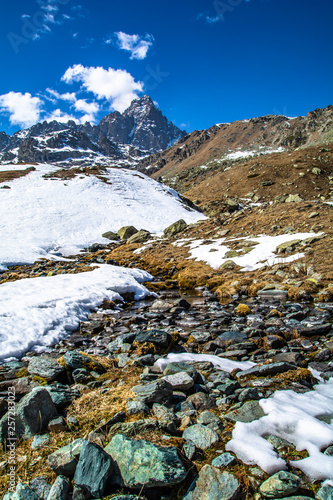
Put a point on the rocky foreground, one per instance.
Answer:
(97, 418)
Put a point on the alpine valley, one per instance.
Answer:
(166, 309)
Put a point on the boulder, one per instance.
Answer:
(212, 484)
(203, 437)
(280, 485)
(110, 235)
(62, 395)
(33, 413)
(142, 463)
(156, 392)
(41, 487)
(175, 228)
(59, 489)
(74, 360)
(45, 367)
(126, 232)
(64, 460)
(93, 469)
(139, 237)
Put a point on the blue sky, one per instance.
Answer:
(203, 62)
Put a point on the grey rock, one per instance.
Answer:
(203, 437)
(201, 401)
(143, 463)
(157, 337)
(267, 370)
(177, 367)
(207, 417)
(57, 424)
(249, 411)
(280, 484)
(294, 358)
(325, 492)
(93, 469)
(81, 375)
(274, 294)
(166, 418)
(212, 484)
(224, 460)
(33, 413)
(189, 450)
(232, 336)
(45, 367)
(59, 489)
(248, 394)
(156, 392)
(62, 395)
(229, 387)
(64, 460)
(180, 381)
(314, 330)
(40, 441)
(40, 487)
(22, 492)
(134, 428)
(135, 407)
(201, 337)
(75, 359)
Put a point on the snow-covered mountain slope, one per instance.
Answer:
(50, 217)
(119, 139)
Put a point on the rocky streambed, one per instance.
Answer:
(142, 401)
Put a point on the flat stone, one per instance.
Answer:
(232, 336)
(294, 358)
(203, 437)
(249, 411)
(45, 367)
(314, 330)
(180, 381)
(267, 370)
(143, 463)
(275, 294)
(93, 469)
(224, 460)
(156, 392)
(134, 428)
(59, 489)
(280, 484)
(212, 484)
(64, 460)
(157, 337)
(177, 367)
(32, 415)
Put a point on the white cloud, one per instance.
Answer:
(23, 109)
(116, 85)
(67, 96)
(136, 45)
(89, 108)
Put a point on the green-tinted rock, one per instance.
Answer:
(32, 415)
(126, 232)
(224, 460)
(59, 489)
(287, 246)
(212, 484)
(40, 487)
(293, 198)
(75, 359)
(249, 411)
(280, 485)
(40, 441)
(175, 228)
(45, 367)
(177, 367)
(62, 395)
(325, 492)
(64, 460)
(93, 469)
(156, 392)
(143, 463)
(203, 437)
(228, 264)
(157, 337)
(139, 237)
(23, 492)
(110, 235)
(134, 428)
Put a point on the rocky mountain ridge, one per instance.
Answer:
(120, 138)
(241, 139)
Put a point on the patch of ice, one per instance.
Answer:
(296, 418)
(41, 311)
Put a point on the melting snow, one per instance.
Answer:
(298, 418)
(262, 254)
(41, 311)
(226, 365)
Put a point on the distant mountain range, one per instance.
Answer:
(120, 138)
